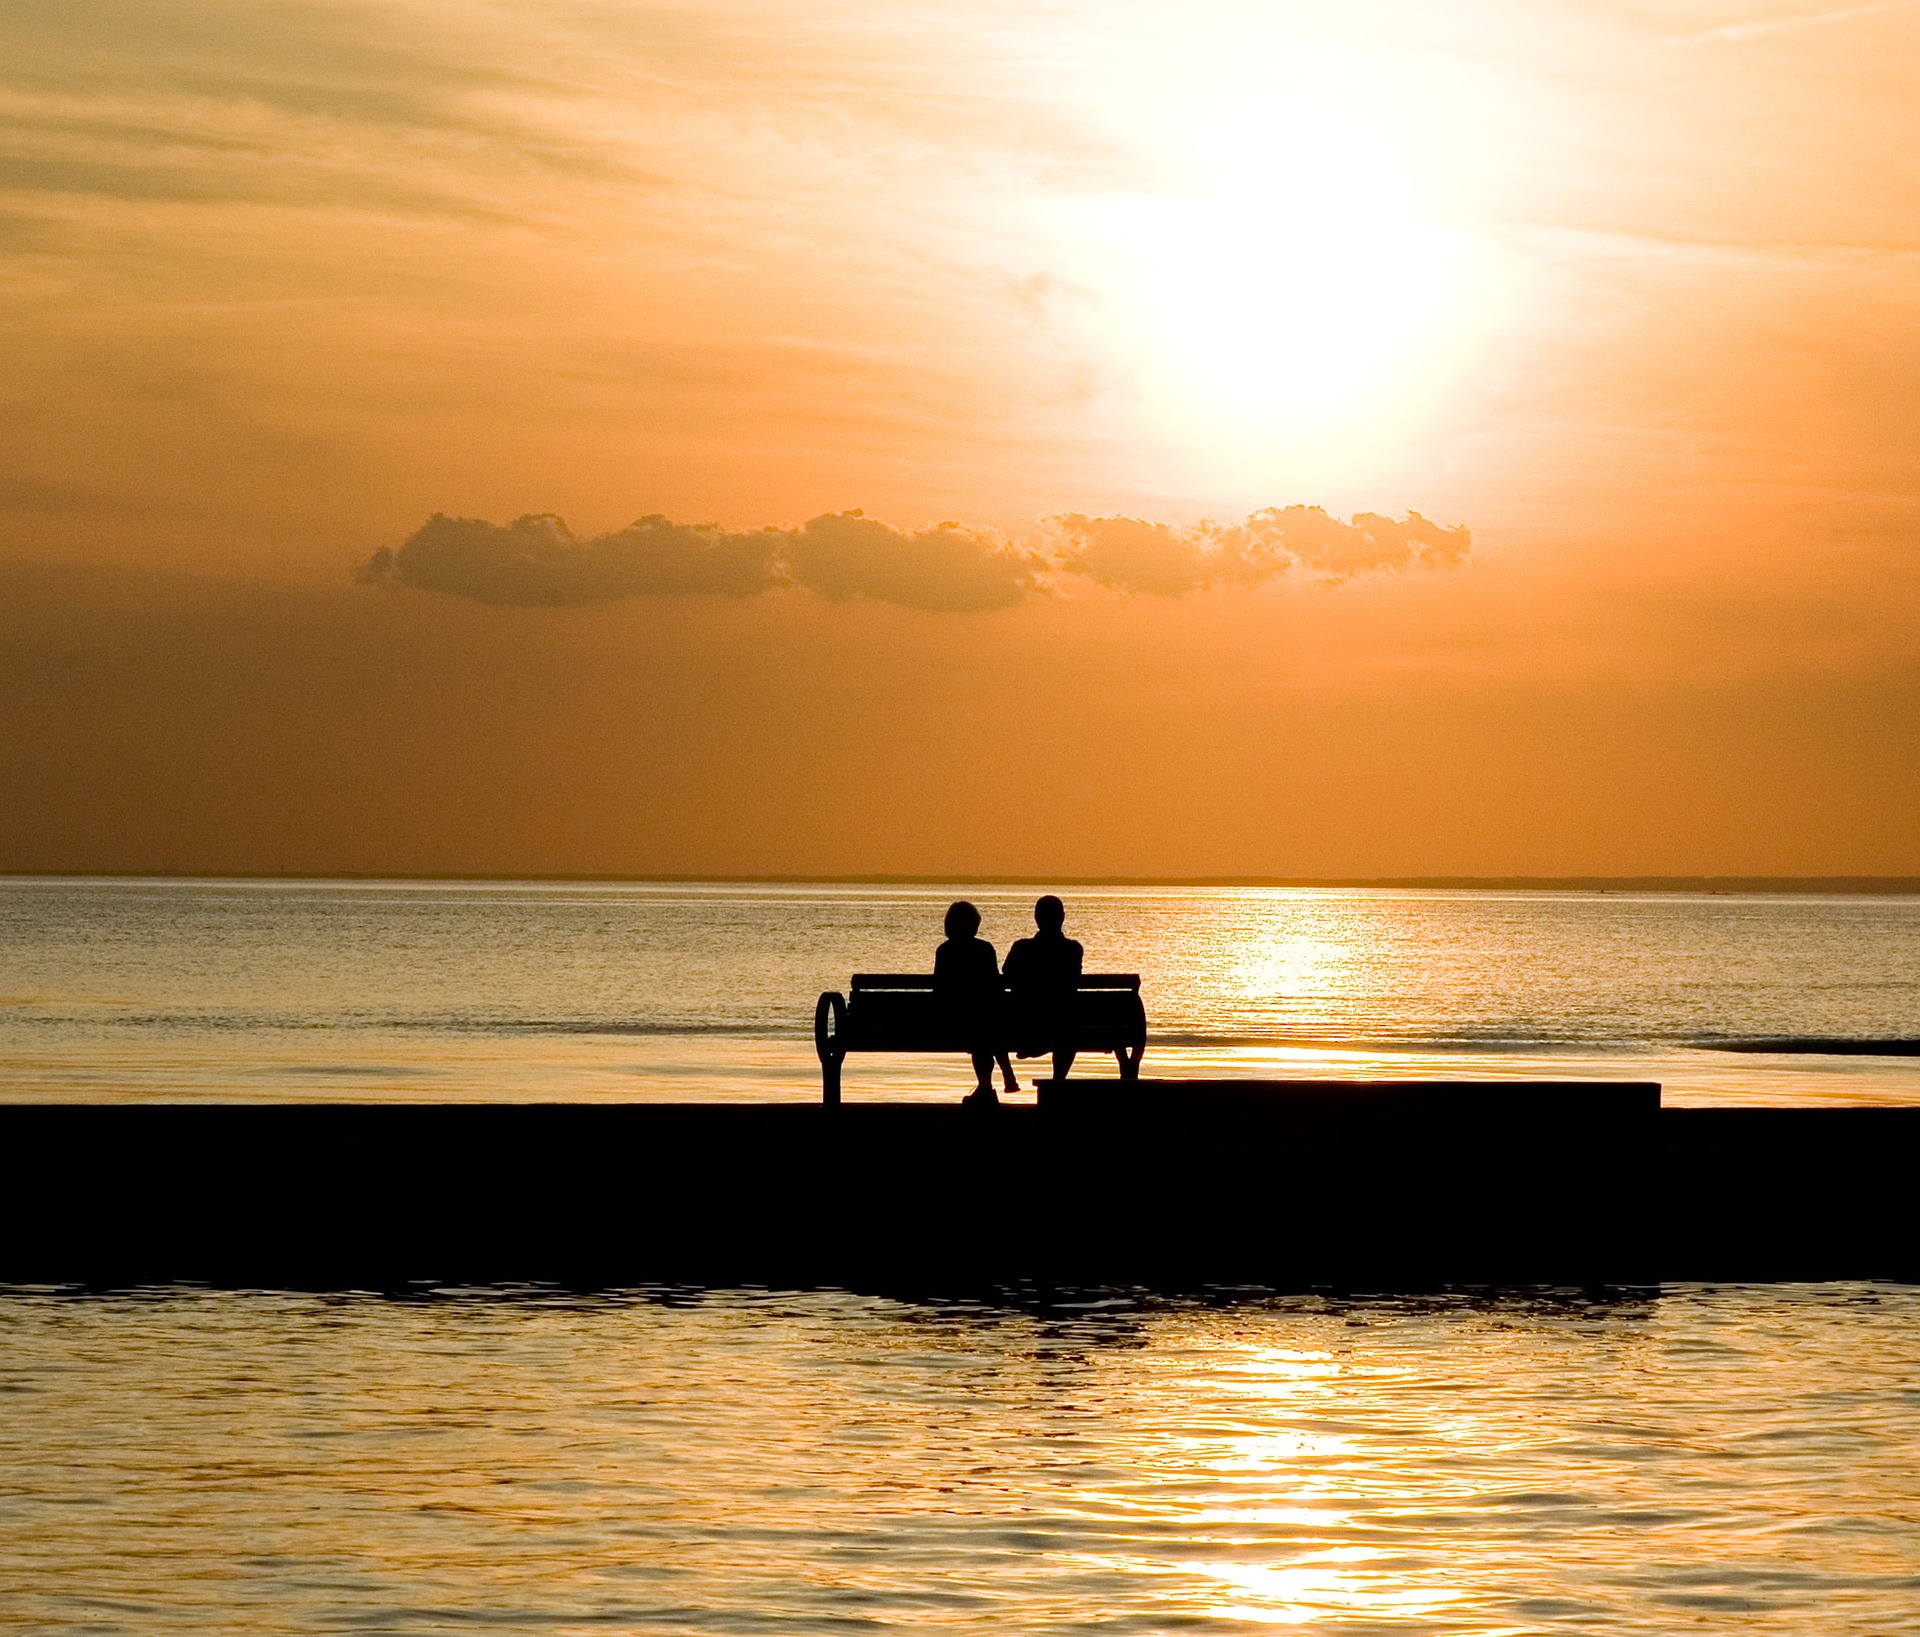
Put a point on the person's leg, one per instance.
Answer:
(1063, 1063)
(1006, 1072)
(983, 1072)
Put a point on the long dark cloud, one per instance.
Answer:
(536, 561)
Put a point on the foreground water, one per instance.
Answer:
(1693, 1460)
(244, 990)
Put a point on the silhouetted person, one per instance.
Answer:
(966, 981)
(1043, 976)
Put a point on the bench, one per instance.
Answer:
(897, 1012)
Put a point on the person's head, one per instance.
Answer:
(1049, 914)
(963, 920)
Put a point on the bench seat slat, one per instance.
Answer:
(916, 982)
(1098, 1034)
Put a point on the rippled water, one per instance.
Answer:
(1715, 1460)
(116, 989)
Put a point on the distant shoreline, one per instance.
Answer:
(1862, 885)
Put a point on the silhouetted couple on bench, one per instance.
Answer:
(1024, 1009)
(1041, 1003)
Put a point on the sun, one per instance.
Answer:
(1293, 286)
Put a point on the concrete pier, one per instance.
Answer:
(1172, 1184)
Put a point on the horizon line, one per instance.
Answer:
(1859, 884)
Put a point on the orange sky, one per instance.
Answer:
(1626, 290)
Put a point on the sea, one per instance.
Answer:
(1668, 1459)
(116, 990)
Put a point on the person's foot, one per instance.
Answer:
(980, 1097)
(1013, 1085)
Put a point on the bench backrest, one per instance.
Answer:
(897, 1011)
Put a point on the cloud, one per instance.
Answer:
(1130, 555)
(537, 561)
(947, 567)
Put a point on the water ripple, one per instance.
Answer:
(683, 1461)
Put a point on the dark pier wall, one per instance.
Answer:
(1380, 1186)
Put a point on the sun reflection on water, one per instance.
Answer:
(1314, 1588)
(1292, 967)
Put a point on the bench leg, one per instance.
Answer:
(1128, 1057)
(830, 1041)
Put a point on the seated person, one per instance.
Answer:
(1043, 975)
(966, 981)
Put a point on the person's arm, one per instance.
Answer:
(1076, 958)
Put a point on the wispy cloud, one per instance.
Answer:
(1757, 27)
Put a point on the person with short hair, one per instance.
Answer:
(1043, 976)
(966, 981)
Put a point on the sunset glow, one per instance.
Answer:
(1294, 283)
(1405, 439)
